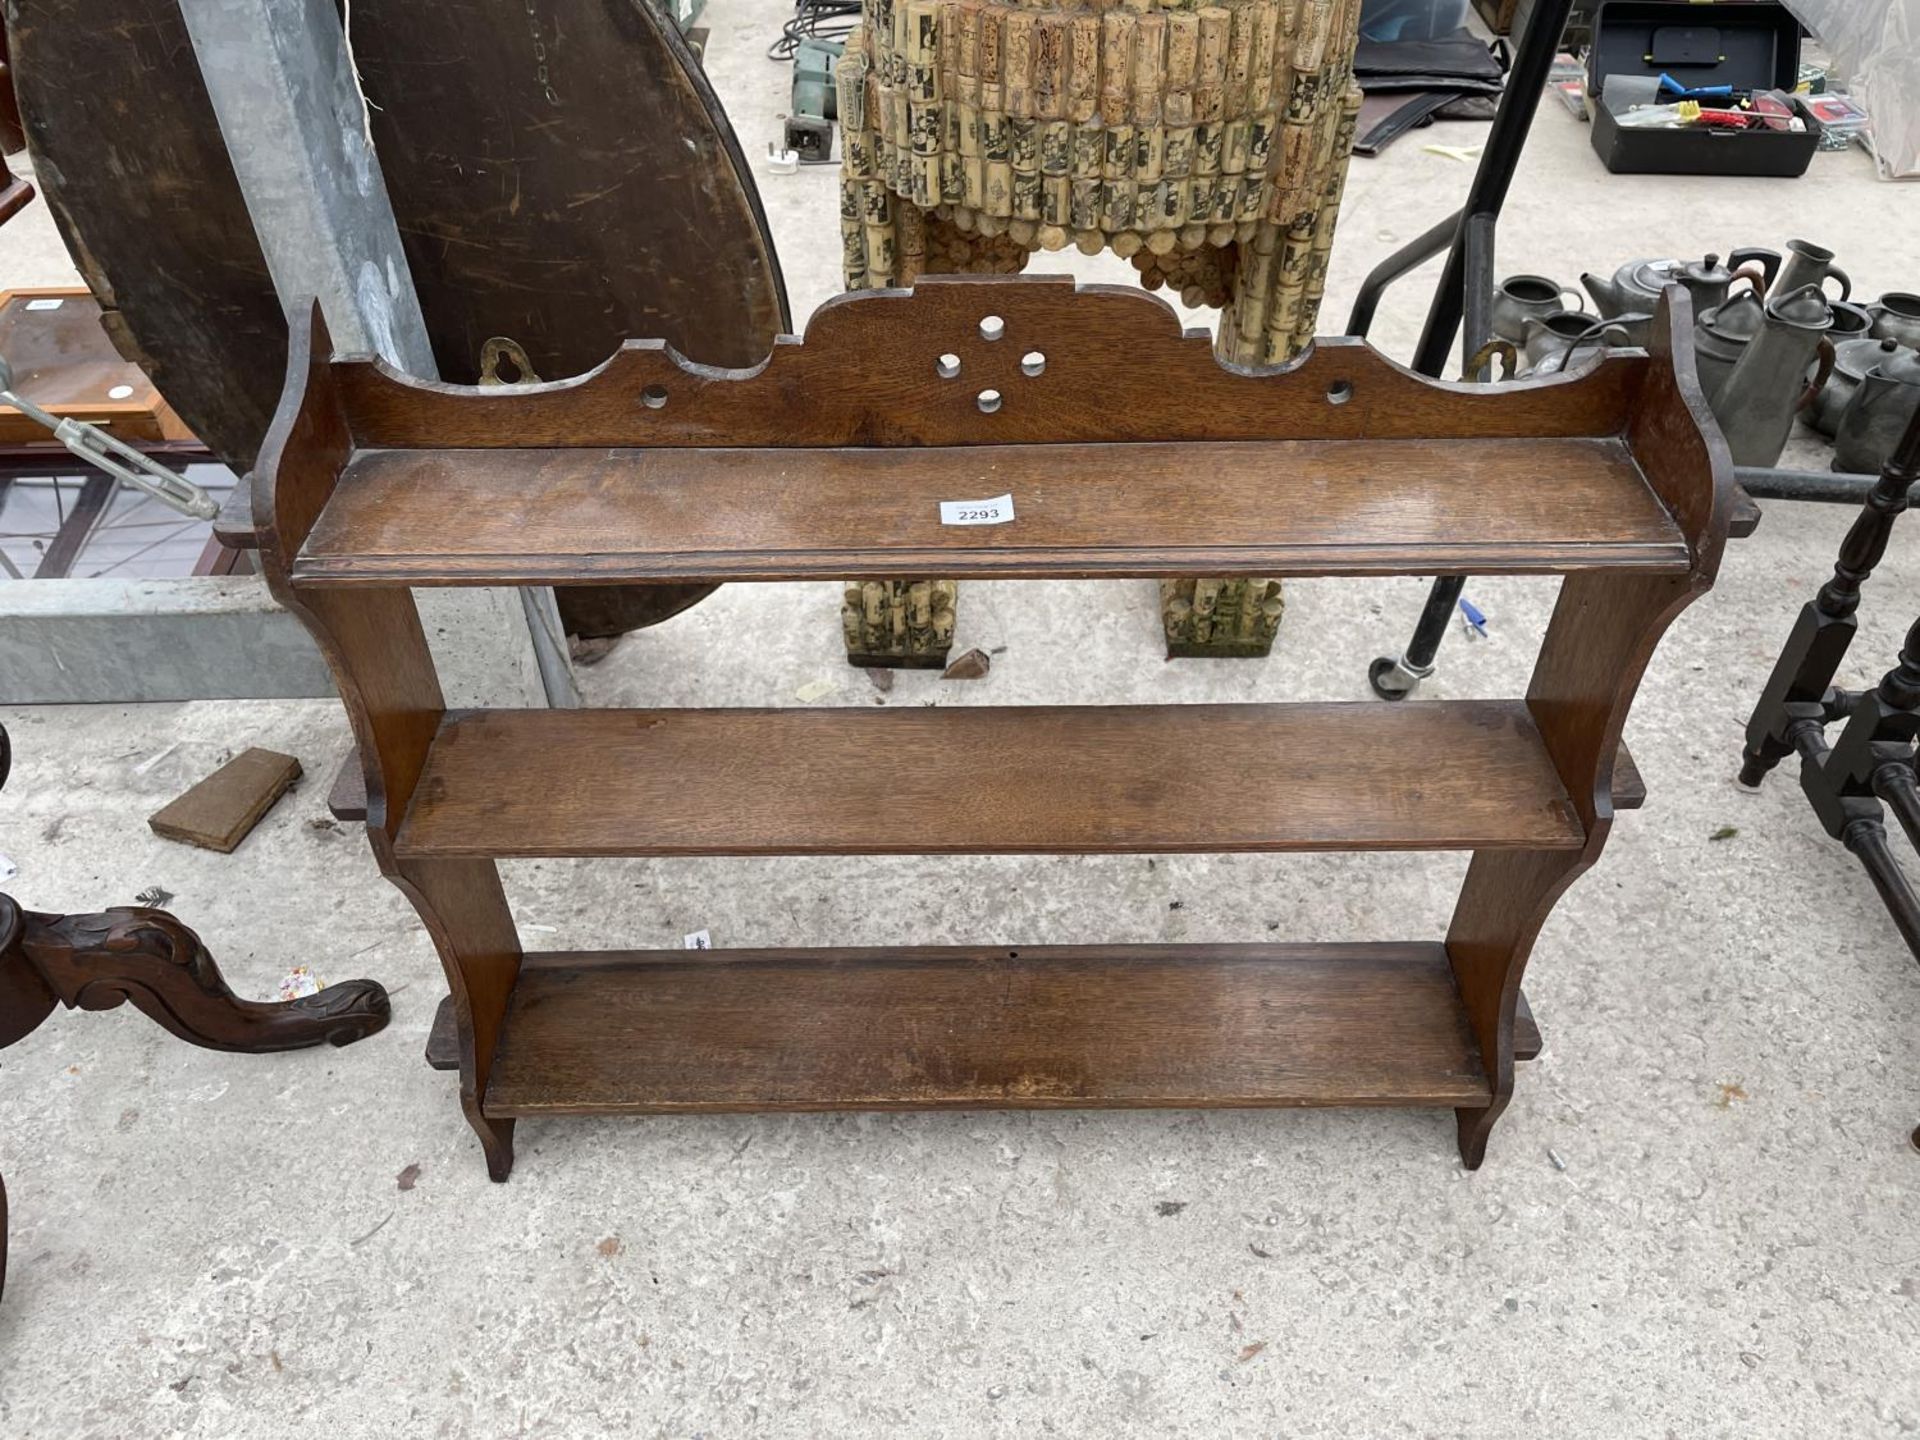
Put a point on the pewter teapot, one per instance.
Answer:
(1636, 286)
(1882, 407)
(1852, 359)
(1768, 387)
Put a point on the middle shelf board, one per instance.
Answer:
(1433, 775)
(1277, 507)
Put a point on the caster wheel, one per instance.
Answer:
(1377, 674)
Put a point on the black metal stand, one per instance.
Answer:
(1465, 292)
(1852, 782)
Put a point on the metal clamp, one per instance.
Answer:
(98, 448)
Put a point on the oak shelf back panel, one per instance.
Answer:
(1289, 507)
(1439, 775)
(935, 1028)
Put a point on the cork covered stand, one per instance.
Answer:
(832, 459)
(1205, 143)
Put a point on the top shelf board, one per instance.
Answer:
(1284, 507)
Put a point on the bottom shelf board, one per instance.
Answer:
(1181, 1026)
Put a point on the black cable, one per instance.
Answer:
(814, 20)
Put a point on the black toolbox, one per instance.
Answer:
(1749, 46)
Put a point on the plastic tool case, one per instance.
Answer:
(1747, 46)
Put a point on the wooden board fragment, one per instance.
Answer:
(219, 812)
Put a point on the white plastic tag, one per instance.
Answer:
(698, 940)
(45, 304)
(997, 511)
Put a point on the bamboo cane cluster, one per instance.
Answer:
(974, 134)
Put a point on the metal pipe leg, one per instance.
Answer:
(1396, 679)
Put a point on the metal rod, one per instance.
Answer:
(1526, 83)
(1466, 290)
(1827, 487)
(1403, 261)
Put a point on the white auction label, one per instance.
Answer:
(997, 511)
(45, 304)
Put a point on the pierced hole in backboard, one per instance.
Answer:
(992, 328)
(989, 401)
(654, 396)
(947, 366)
(1032, 363)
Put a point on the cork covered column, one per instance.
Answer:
(1205, 143)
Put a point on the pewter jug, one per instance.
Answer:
(1551, 343)
(1520, 298)
(1879, 413)
(1722, 335)
(1850, 321)
(1809, 264)
(1768, 387)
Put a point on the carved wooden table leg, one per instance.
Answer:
(96, 962)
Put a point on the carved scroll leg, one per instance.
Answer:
(903, 624)
(1220, 619)
(96, 962)
(1507, 896)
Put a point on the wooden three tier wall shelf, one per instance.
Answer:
(1128, 450)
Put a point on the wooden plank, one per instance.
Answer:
(1347, 507)
(1053, 1027)
(221, 811)
(1443, 775)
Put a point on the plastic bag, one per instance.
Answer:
(1876, 44)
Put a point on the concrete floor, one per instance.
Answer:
(213, 1245)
